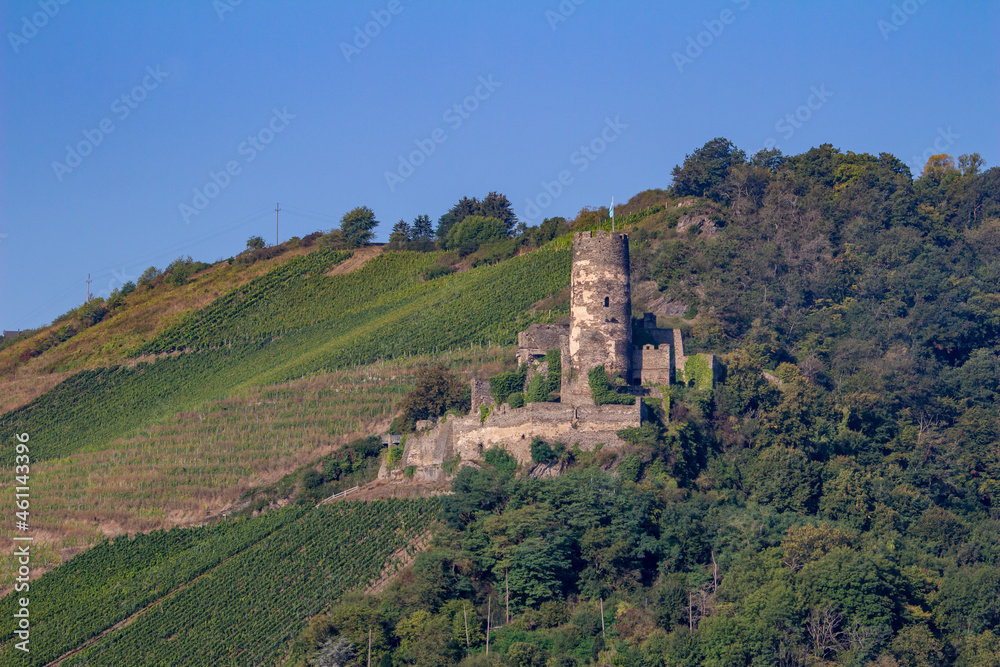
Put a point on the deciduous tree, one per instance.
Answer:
(358, 226)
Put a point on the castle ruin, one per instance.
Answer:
(600, 333)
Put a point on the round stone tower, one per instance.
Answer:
(600, 330)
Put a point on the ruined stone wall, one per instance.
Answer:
(480, 395)
(677, 372)
(513, 430)
(538, 339)
(586, 426)
(659, 336)
(651, 365)
(600, 311)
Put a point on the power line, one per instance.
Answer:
(191, 242)
(305, 213)
(44, 306)
(167, 250)
(316, 213)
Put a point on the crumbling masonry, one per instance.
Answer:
(599, 334)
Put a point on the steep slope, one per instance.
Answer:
(234, 594)
(264, 379)
(277, 329)
(194, 464)
(144, 314)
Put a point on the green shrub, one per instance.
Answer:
(409, 472)
(181, 269)
(503, 385)
(698, 373)
(630, 468)
(646, 435)
(311, 479)
(541, 451)
(525, 654)
(432, 272)
(554, 374)
(450, 467)
(149, 275)
(332, 468)
(500, 459)
(602, 390)
(541, 387)
(538, 389)
(552, 614)
(310, 239)
(516, 400)
(393, 456)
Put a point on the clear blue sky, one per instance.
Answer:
(182, 85)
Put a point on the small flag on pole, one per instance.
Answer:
(612, 214)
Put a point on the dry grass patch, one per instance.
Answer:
(149, 311)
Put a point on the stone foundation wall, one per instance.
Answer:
(514, 430)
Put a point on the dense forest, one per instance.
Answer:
(830, 501)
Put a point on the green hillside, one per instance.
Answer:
(233, 594)
(831, 501)
(286, 324)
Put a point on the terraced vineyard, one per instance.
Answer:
(232, 594)
(118, 578)
(281, 300)
(357, 319)
(151, 445)
(111, 341)
(200, 461)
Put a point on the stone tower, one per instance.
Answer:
(600, 310)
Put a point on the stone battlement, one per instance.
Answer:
(598, 236)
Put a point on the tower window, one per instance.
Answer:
(607, 301)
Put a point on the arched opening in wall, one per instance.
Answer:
(607, 301)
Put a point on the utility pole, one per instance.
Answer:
(602, 617)
(88, 288)
(465, 615)
(277, 209)
(507, 587)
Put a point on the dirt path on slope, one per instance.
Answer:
(356, 261)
